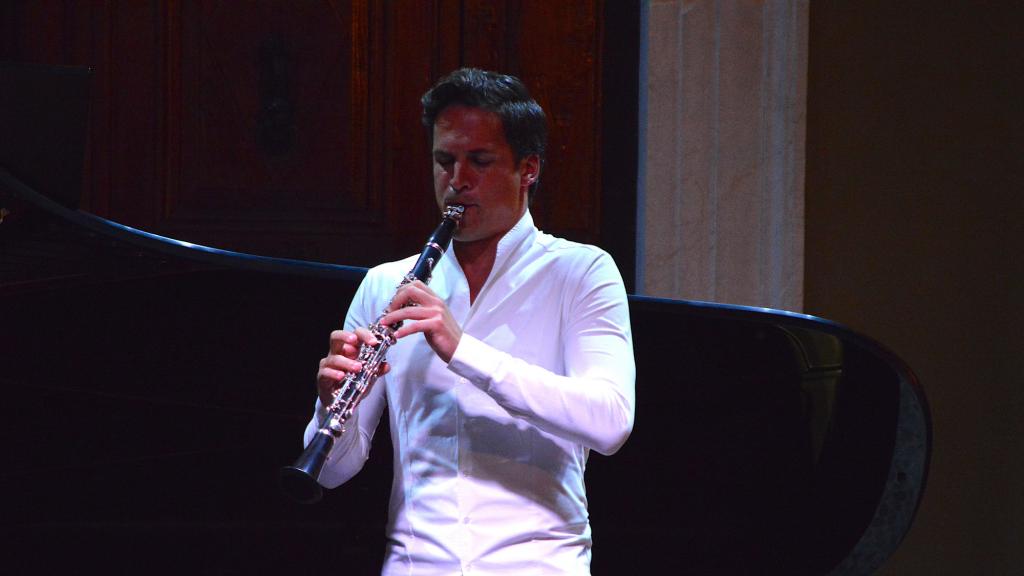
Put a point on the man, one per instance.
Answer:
(509, 368)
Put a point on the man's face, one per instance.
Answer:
(475, 166)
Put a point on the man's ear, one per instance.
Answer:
(530, 169)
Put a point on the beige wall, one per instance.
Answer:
(722, 207)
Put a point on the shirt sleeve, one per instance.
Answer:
(593, 402)
(350, 451)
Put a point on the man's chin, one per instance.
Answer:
(467, 236)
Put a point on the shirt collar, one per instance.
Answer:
(518, 235)
(521, 234)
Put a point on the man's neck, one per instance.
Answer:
(476, 259)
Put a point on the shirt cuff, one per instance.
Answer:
(341, 445)
(319, 412)
(477, 362)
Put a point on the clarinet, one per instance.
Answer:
(300, 481)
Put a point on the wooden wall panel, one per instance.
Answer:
(408, 65)
(488, 28)
(292, 129)
(266, 121)
(268, 124)
(558, 53)
(133, 144)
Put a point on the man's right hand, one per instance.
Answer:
(341, 359)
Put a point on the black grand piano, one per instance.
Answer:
(152, 389)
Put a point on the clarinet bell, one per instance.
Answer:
(299, 481)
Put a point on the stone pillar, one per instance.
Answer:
(722, 171)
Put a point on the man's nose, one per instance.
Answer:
(460, 177)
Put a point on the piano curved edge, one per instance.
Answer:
(173, 247)
(908, 471)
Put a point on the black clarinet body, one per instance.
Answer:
(300, 481)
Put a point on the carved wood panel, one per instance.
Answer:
(268, 123)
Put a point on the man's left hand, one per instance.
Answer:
(415, 301)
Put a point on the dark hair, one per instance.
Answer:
(522, 118)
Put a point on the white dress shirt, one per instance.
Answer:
(490, 449)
